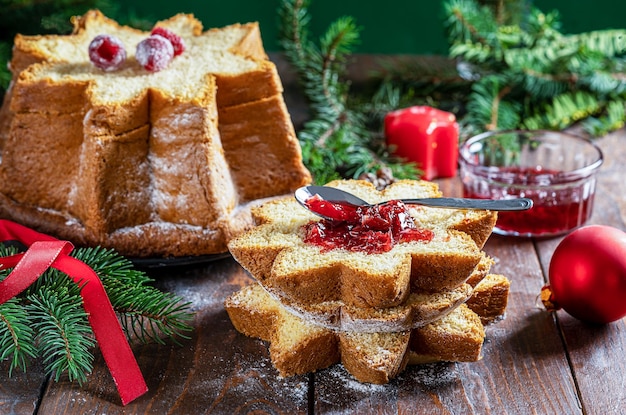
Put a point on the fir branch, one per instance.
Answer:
(609, 43)
(531, 75)
(541, 59)
(487, 107)
(612, 120)
(149, 314)
(48, 320)
(17, 337)
(336, 142)
(468, 21)
(339, 39)
(144, 311)
(541, 85)
(295, 36)
(563, 110)
(62, 331)
(543, 28)
(476, 53)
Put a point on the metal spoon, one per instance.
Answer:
(333, 194)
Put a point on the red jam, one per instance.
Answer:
(369, 229)
(557, 208)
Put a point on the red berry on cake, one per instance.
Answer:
(107, 52)
(177, 42)
(154, 53)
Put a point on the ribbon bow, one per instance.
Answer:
(44, 252)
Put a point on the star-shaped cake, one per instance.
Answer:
(276, 254)
(151, 163)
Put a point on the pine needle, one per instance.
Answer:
(17, 337)
(145, 312)
(63, 333)
(337, 141)
(532, 76)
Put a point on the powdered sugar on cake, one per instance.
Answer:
(138, 160)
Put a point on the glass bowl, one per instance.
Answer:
(554, 169)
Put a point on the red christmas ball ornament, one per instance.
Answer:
(588, 275)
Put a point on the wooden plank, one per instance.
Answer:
(597, 356)
(597, 352)
(525, 365)
(20, 393)
(527, 340)
(217, 371)
(610, 207)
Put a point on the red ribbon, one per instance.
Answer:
(44, 252)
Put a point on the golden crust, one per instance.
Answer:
(458, 337)
(490, 298)
(237, 127)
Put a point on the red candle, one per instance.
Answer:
(426, 136)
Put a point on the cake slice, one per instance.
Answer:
(150, 163)
(419, 309)
(275, 253)
(297, 346)
(457, 337)
(374, 357)
(490, 297)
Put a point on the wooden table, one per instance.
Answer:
(534, 362)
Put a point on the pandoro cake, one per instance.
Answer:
(151, 164)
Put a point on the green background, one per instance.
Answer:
(388, 27)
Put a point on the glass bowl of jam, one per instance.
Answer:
(553, 168)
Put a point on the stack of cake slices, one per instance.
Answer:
(421, 301)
